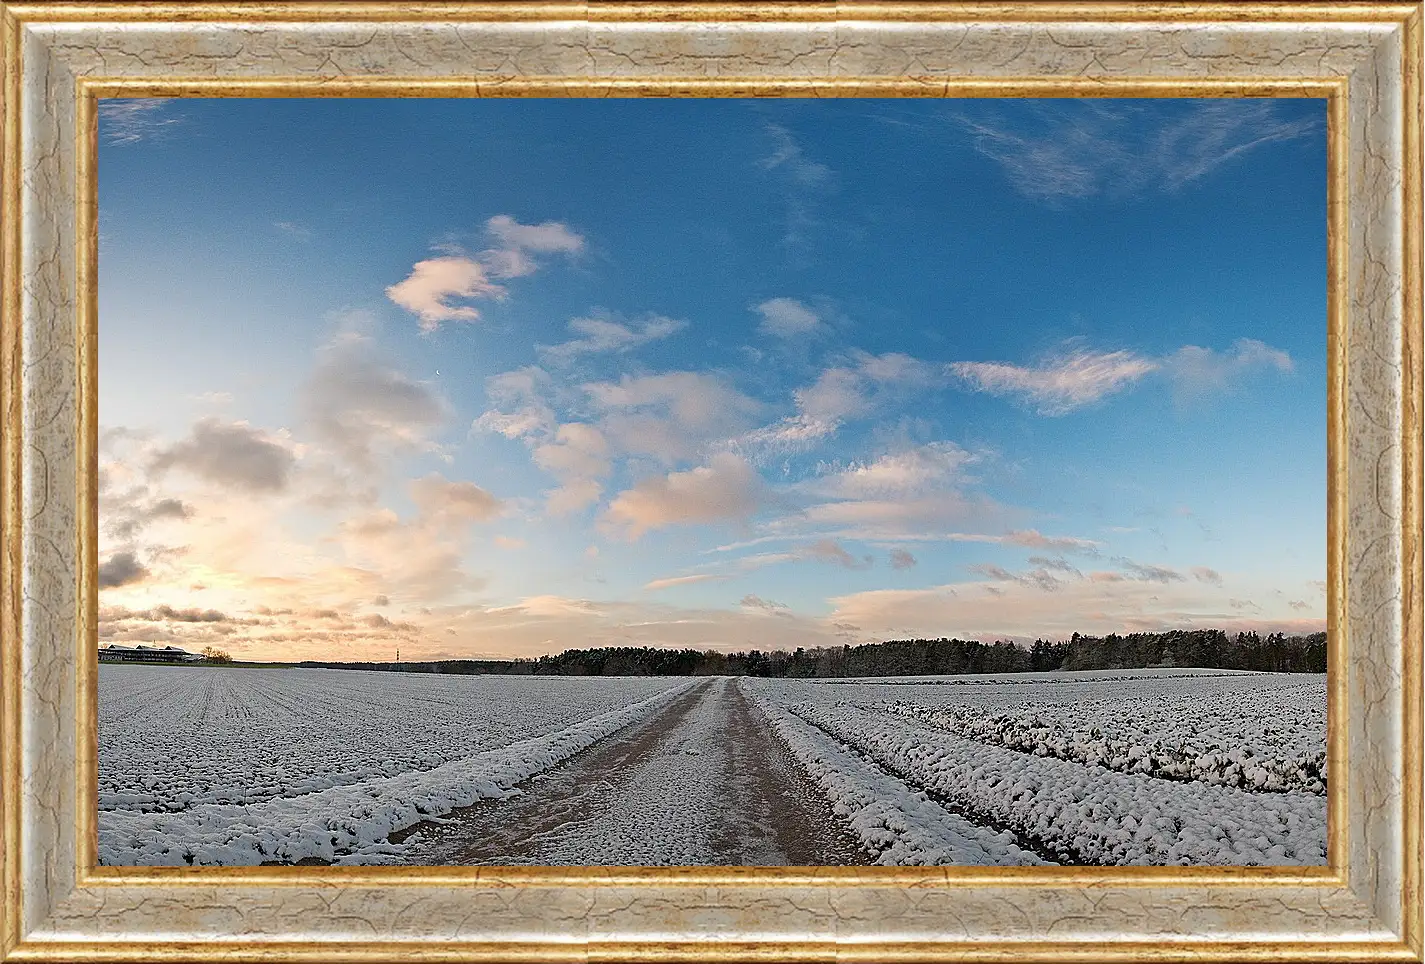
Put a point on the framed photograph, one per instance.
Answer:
(680, 481)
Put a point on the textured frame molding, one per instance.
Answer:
(1364, 58)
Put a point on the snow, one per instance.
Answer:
(1125, 768)
(660, 808)
(1259, 733)
(218, 765)
(170, 737)
(336, 760)
(898, 823)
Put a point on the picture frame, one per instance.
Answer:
(61, 58)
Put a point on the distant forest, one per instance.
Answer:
(1203, 648)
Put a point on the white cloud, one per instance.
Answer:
(231, 454)
(578, 450)
(821, 408)
(786, 318)
(513, 253)
(120, 569)
(432, 283)
(453, 502)
(360, 406)
(839, 394)
(753, 602)
(833, 552)
(1145, 572)
(893, 369)
(894, 518)
(917, 492)
(1025, 606)
(836, 395)
(672, 581)
(695, 399)
(547, 238)
(1057, 386)
(421, 558)
(428, 291)
(605, 335)
(1204, 574)
(902, 559)
(726, 489)
(1197, 372)
(572, 496)
(1034, 539)
(578, 455)
(671, 416)
(519, 408)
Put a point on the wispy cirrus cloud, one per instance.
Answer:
(1064, 151)
(804, 181)
(130, 120)
(294, 230)
(1075, 379)
(855, 387)
(1058, 385)
(907, 471)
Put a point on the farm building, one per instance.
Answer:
(114, 653)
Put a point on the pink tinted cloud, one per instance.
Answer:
(726, 489)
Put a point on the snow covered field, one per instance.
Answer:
(240, 766)
(226, 765)
(1132, 767)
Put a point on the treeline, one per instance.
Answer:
(1205, 648)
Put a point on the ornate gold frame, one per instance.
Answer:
(1365, 905)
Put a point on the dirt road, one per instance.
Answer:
(704, 782)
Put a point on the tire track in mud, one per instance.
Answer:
(705, 782)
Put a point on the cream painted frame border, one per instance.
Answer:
(1364, 57)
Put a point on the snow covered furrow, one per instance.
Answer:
(350, 824)
(1256, 731)
(174, 737)
(1039, 731)
(1087, 815)
(900, 825)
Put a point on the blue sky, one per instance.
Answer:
(494, 377)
